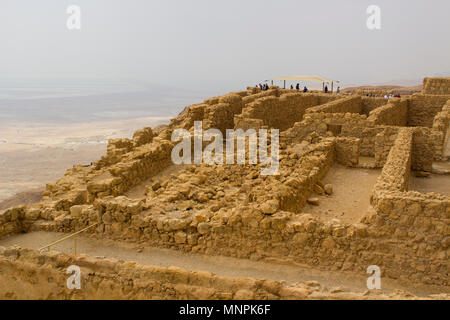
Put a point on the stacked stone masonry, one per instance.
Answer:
(233, 210)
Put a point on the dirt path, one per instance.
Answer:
(223, 266)
(351, 194)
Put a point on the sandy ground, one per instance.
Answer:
(351, 194)
(32, 155)
(222, 266)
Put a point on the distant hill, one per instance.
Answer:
(402, 90)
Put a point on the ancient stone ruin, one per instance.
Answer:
(322, 210)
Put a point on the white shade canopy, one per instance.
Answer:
(304, 78)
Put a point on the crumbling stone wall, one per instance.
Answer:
(28, 274)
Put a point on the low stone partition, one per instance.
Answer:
(352, 104)
(145, 162)
(395, 113)
(27, 274)
(423, 149)
(384, 140)
(395, 173)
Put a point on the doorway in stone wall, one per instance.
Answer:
(335, 129)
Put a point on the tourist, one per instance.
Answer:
(292, 87)
(338, 90)
(297, 86)
(326, 89)
(305, 89)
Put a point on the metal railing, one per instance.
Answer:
(74, 235)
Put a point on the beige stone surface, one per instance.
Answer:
(135, 193)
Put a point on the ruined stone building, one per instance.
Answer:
(136, 193)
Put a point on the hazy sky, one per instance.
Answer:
(225, 44)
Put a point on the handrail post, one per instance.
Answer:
(69, 236)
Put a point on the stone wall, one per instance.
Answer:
(384, 140)
(259, 217)
(350, 104)
(143, 163)
(419, 221)
(343, 125)
(12, 220)
(277, 112)
(423, 149)
(347, 151)
(441, 132)
(424, 107)
(395, 173)
(370, 103)
(437, 85)
(395, 113)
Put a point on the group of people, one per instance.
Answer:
(325, 89)
(297, 87)
(386, 96)
(263, 87)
